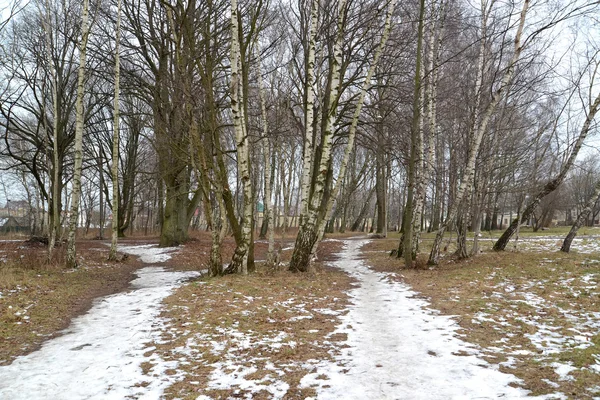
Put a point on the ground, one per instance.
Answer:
(525, 321)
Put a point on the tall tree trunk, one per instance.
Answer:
(352, 133)
(239, 261)
(414, 163)
(266, 149)
(363, 211)
(308, 232)
(76, 193)
(115, 150)
(55, 203)
(101, 200)
(581, 218)
(380, 185)
(309, 106)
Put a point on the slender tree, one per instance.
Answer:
(79, 119)
(115, 149)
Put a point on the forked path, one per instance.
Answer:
(400, 349)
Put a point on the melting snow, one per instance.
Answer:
(149, 253)
(398, 348)
(99, 355)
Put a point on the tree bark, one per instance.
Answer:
(266, 149)
(115, 150)
(79, 117)
(54, 205)
(239, 261)
(581, 218)
(309, 224)
(416, 149)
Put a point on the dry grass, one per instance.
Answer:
(526, 310)
(267, 327)
(38, 299)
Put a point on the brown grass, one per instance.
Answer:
(278, 315)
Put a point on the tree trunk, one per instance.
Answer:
(239, 261)
(363, 211)
(380, 185)
(309, 106)
(269, 173)
(79, 117)
(115, 149)
(101, 199)
(416, 150)
(55, 202)
(326, 215)
(174, 223)
(309, 231)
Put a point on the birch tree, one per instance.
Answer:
(354, 123)
(308, 232)
(416, 150)
(115, 149)
(79, 119)
(239, 261)
(321, 189)
(475, 143)
(268, 213)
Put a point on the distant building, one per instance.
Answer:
(14, 225)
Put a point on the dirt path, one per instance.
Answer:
(400, 349)
(99, 355)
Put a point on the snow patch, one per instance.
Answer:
(149, 253)
(100, 355)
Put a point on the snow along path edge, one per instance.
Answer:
(398, 348)
(100, 355)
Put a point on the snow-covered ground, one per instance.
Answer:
(396, 348)
(100, 355)
(400, 349)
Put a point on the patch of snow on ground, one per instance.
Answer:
(583, 245)
(99, 355)
(399, 349)
(228, 374)
(149, 253)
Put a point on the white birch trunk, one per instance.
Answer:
(308, 232)
(352, 132)
(429, 96)
(115, 149)
(566, 246)
(552, 185)
(239, 261)
(266, 149)
(307, 160)
(467, 181)
(79, 117)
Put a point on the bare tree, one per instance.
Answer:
(79, 122)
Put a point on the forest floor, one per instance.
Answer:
(358, 327)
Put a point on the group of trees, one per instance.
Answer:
(426, 114)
